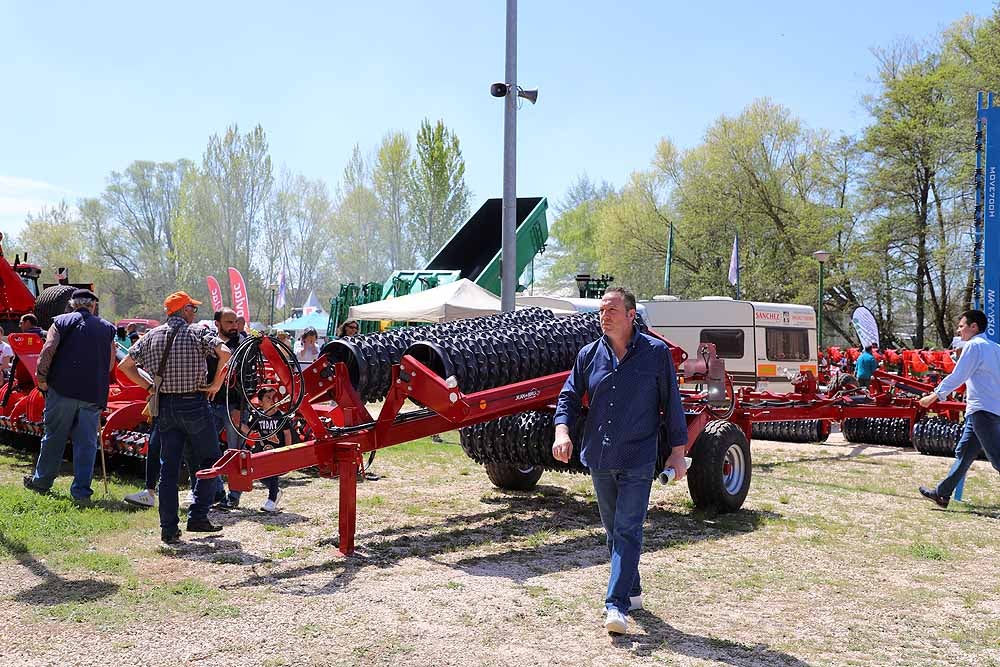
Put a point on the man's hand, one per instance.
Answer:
(928, 400)
(562, 447)
(212, 389)
(677, 462)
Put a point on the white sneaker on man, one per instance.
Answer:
(635, 602)
(189, 500)
(143, 499)
(271, 506)
(615, 622)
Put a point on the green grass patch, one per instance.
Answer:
(925, 551)
(371, 501)
(43, 524)
(98, 562)
(137, 601)
(287, 552)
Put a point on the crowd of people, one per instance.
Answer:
(195, 417)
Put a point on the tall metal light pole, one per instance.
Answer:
(508, 257)
(510, 91)
(820, 256)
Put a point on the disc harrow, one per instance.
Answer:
(803, 430)
(877, 431)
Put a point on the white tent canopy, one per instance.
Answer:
(451, 301)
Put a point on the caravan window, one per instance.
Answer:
(787, 344)
(728, 342)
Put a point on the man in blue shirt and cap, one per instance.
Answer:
(633, 396)
(74, 371)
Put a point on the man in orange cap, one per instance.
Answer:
(184, 415)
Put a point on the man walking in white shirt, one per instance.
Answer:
(979, 370)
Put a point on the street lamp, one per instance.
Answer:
(820, 256)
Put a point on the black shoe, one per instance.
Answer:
(929, 494)
(222, 505)
(29, 483)
(171, 538)
(202, 526)
(83, 502)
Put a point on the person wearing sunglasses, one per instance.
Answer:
(348, 328)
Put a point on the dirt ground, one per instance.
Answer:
(834, 560)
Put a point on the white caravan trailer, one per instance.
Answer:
(764, 345)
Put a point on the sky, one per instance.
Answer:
(86, 90)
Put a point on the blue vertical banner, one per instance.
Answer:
(989, 124)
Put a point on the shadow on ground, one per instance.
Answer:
(661, 636)
(522, 523)
(54, 589)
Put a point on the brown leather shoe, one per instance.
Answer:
(930, 494)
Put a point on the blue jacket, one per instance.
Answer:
(81, 367)
(630, 401)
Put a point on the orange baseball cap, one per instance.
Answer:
(178, 300)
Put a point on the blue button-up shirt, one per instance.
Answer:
(629, 402)
(979, 369)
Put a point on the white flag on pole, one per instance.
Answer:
(734, 262)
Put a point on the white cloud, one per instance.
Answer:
(20, 196)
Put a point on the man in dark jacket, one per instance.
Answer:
(620, 444)
(74, 369)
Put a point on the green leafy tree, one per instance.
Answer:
(390, 180)
(437, 196)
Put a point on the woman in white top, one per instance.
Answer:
(307, 350)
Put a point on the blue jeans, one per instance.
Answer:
(185, 420)
(153, 460)
(623, 497)
(65, 417)
(981, 433)
(220, 413)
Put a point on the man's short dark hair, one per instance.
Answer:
(627, 296)
(976, 317)
(871, 348)
(30, 317)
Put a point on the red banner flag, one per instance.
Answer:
(214, 293)
(241, 301)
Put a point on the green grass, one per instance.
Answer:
(138, 600)
(98, 562)
(925, 551)
(43, 524)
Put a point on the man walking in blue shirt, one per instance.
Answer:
(979, 370)
(632, 388)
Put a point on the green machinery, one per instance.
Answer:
(473, 252)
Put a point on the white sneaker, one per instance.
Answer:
(635, 602)
(615, 622)
(189, 500)
(143, 499)
(271, 506)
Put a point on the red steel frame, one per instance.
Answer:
(885, 402)
(339, 454)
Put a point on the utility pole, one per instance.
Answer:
(508, 257)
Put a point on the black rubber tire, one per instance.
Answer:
(711, 487)
(51, 302)
(511, 477)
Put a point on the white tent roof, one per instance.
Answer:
(451, 301)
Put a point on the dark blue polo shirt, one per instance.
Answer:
(629, 399)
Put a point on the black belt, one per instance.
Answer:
(188, 394)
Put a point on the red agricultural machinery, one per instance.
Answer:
(496, 379)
